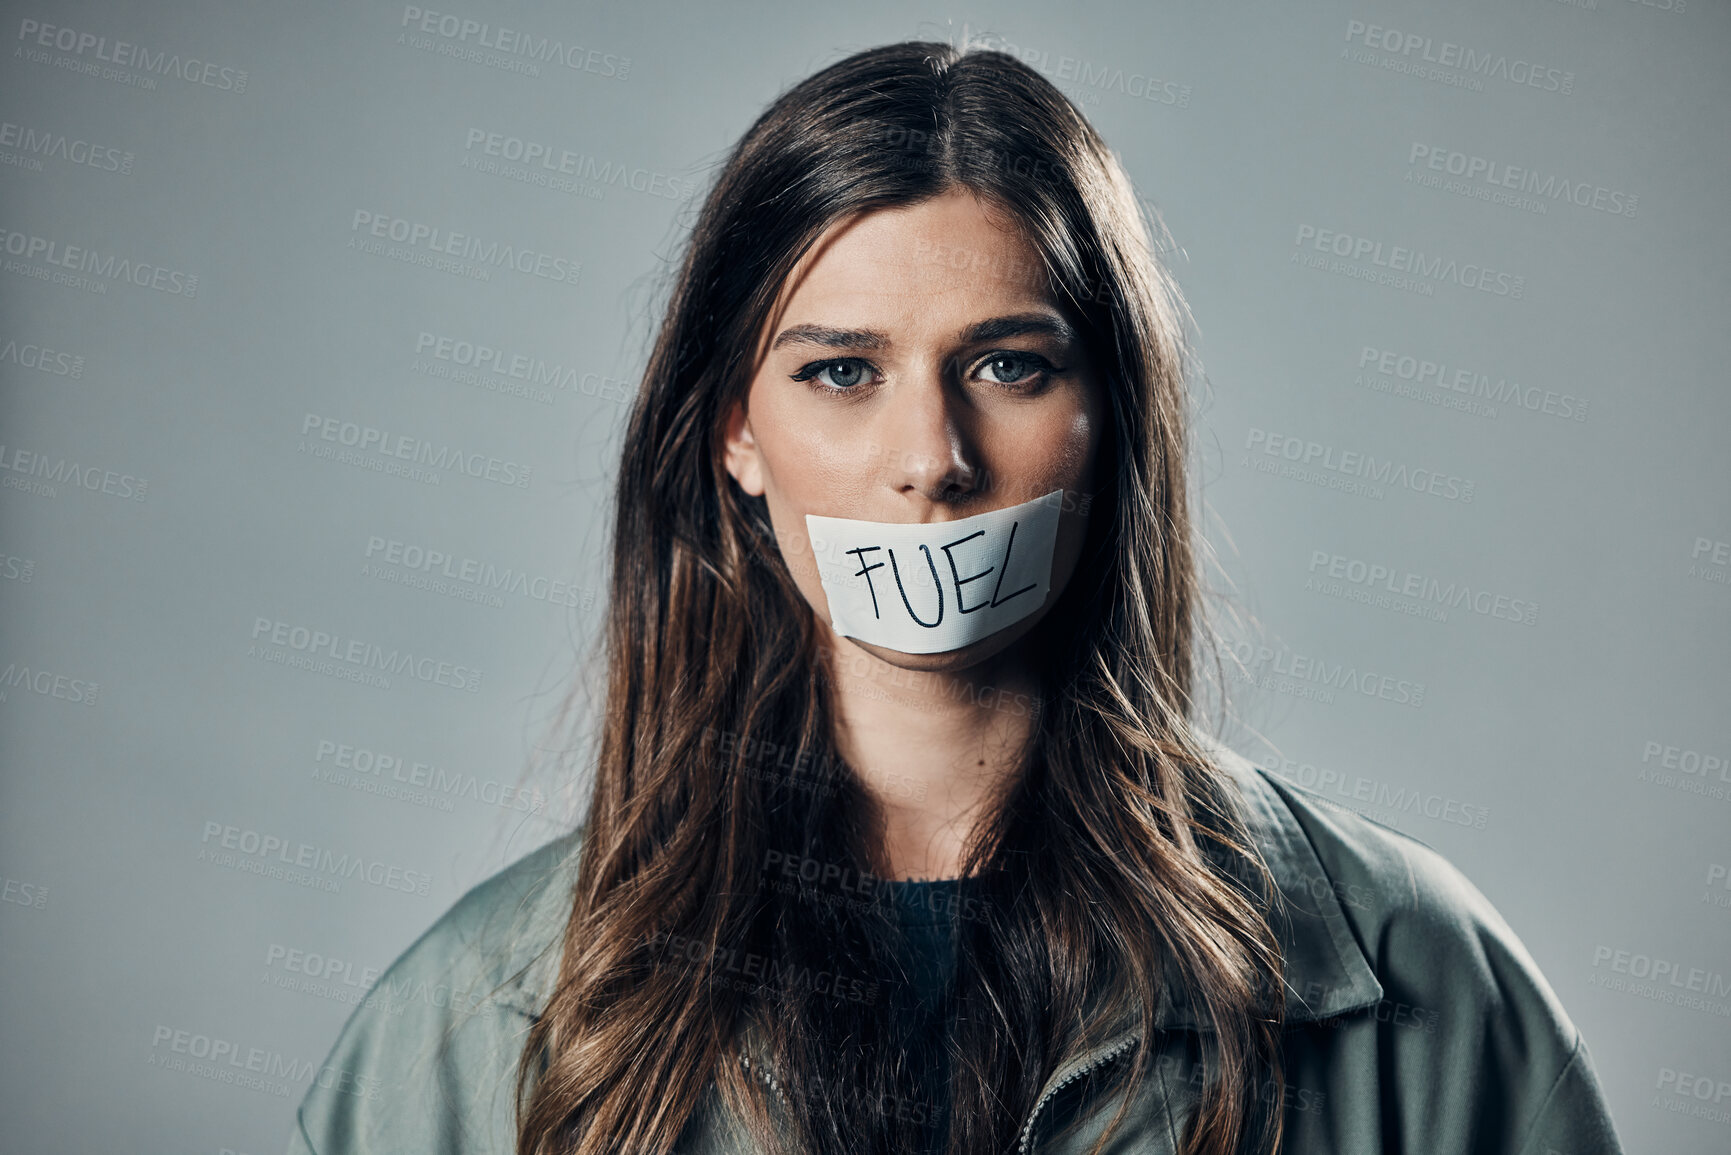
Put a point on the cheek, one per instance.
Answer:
(1083, 436)
(1094, 437)
(810, 463)
(1058, 448)
(807, 468)
(811, 475)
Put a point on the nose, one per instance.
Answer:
(928, 447)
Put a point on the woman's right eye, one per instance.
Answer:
(840, 374)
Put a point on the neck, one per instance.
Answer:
(933, 749)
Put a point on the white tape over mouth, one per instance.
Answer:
(931, 587)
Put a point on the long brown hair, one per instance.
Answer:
(1111, 866)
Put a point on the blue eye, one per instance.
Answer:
(1009, 368)
(841, 374)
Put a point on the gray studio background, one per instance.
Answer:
(1481, 245)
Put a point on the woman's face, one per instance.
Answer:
(917, 369)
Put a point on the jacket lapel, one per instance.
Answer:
(1326, 971)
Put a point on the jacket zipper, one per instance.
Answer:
(764, 1073)
(1105, 1056)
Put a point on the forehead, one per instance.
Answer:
(947, 255)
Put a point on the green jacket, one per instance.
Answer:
(1417, 1022)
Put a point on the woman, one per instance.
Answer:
(894, 861)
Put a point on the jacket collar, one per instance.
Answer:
(1326, 972)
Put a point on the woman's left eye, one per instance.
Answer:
(1015, 368)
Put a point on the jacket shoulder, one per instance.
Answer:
(1488, 1058)
(1427, 931)
(428, 1061)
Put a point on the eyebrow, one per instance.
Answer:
(994, 329)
